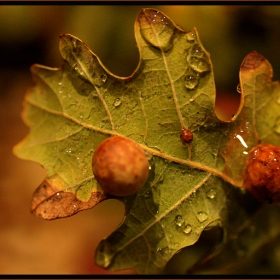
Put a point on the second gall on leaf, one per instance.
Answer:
(262, 174)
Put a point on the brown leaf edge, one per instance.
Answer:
(50, 204)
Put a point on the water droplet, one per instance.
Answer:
(187, 229)
(197, 59)
(238, 89)
(199, 64)
(117, 102)
(191, 99)
(191, 80)
(211, 194)
(197, 51)
(202, 216)
(147, 194)
(165, 251)
(103, 78)
(191, 37)
(156, 28)
(179, 221)
(215, 152)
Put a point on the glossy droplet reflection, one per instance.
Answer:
(179, 221)
(147, 194)
(117, 102)
(156, 28)
(103, 78)
(197, 59)
(202, 216)
(191, 80)
(187, 229)
(211, 194)
(199, 64)
(196, 51)
(191, 37)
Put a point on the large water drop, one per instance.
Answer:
(156, 28)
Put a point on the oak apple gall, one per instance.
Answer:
(120, 166)
(262, 173)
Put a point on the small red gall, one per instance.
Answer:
(120, 166)
(186, 136)
(262, 173)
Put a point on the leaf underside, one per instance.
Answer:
(191, 187)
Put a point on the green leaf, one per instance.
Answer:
(190, 188)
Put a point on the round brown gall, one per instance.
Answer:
(262, 173)
(120, 166)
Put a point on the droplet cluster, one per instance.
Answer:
(198, 64)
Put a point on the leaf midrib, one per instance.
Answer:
(152, 151)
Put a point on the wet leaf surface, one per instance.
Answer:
(193, 185)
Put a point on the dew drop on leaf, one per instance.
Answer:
(103, 78)
(147, 194)
(214, 152)
(117, 102)
(179, 221)
(156, 28)
(238, 89)
(199, 64)
(202, 216)
(187, 229)
(191, 80)
(191, 37)
(197, 51)
(211, 194)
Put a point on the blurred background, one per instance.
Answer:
(28, 35)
